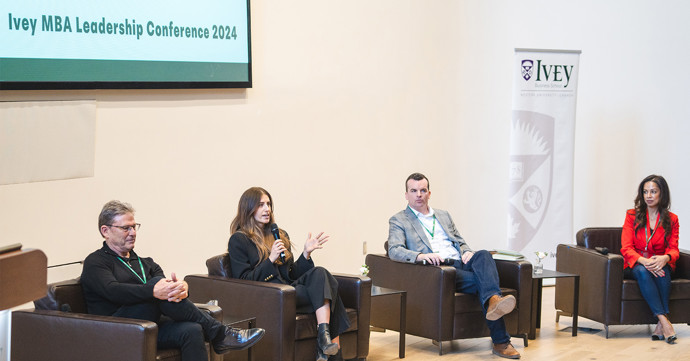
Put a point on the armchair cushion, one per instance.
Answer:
(305, 324)
(465, 302)
(609, 237)
(219, 266)
(680, 290)
(63, 296)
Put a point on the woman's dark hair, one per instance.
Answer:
(259, 234)
(664, 205)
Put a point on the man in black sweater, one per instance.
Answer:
(117, 282)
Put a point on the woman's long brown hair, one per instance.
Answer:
(664, 205)
(259, 234)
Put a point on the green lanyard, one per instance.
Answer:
(143, 280)
(433, 229)
(647, 236)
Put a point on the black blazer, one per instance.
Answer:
(244, 263)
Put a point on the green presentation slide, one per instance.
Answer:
(124, 41)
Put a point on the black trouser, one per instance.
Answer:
(185, 326)
(315, 286)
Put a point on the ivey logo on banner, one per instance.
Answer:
(548, 75)
(531, 175)
(541, 148)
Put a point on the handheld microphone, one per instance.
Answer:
(444, 262)
(276, 235)
(602, 250)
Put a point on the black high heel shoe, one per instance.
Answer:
(671, 339)
(656, 336)
(320, 356)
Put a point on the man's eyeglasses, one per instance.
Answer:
(126, 228)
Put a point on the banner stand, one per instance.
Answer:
(540, 196)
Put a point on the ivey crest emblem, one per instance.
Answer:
(531, 175)
(527, 69)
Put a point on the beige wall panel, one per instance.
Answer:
(41, 141)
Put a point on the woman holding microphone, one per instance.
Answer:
(259, 251)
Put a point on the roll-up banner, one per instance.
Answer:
(540, 195)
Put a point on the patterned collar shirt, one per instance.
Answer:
(438, 239)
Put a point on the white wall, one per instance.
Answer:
(348, 99)
(631, 102)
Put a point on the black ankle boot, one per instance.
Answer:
(324, 340)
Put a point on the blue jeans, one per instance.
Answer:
(480, 277)
(655, 290)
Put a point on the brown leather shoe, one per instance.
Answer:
(499, 306)
(506, 350)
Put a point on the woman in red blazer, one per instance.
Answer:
(649, 245)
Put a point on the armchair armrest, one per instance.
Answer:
(355, 291)
(515, 274)
(430, 293)
(518, 276)
(55, 335)
(274, 306)
(215, 311)
(601, 280)
(683, 265)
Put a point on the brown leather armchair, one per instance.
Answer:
(289, 335)
(604, 295)
(436, 311)
(51, 333)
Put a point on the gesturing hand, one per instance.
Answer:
(314, 243)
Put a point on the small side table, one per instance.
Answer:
(537, 281)
(242, 322)
(381, 300)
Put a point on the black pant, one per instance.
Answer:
(315, 286)
(184, 326)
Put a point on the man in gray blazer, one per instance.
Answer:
(420, 234)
